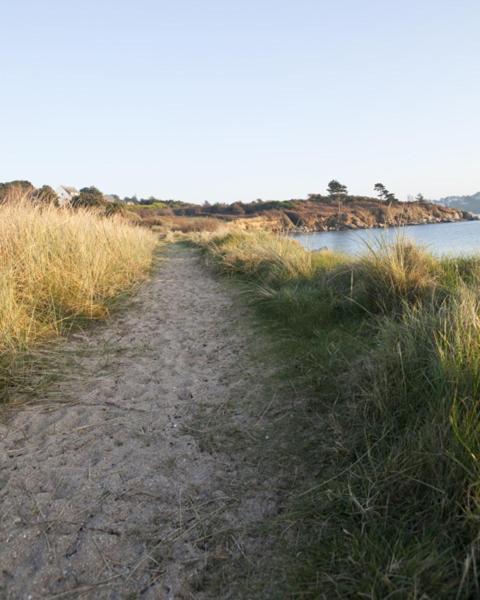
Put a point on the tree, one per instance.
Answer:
(45, 195)
(15, 189)
(383, 193)
(419, 197)
(237, 208)
(335, 188)
(88, 196)
(380, 189)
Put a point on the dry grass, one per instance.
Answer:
(193, 224)
(171, 223)
(58, 265)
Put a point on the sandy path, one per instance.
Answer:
(106, 490)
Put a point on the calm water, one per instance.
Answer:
(443, 238)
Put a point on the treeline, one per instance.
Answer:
(92, 197)
(336, 192)
(86, 197)
(24, 188)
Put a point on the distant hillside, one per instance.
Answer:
(469, 203)
(334, 212)
(316, 213)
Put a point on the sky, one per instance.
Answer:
(225, 100)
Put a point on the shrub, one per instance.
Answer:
(88, 197)
(44, 195)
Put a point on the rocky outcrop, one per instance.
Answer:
(362, 213)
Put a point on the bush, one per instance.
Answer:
(89, 197)
(44, 195)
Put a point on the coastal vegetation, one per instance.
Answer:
(384, 496)
(384, 194)
(59, 266)
(166, 224)
(337, 210)
(333, 212)
(389, 346)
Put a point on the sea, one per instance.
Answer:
(449, 239)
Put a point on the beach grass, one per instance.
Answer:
(389, 343)
(59, 266)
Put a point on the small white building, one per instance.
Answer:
(66, 193)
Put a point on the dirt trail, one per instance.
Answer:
(115, 486)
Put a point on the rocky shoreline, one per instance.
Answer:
(351, 226)
(317, 217)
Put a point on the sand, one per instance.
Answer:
(116, 483)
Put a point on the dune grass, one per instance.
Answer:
(390, 344)
(267, 257)
(58, 266)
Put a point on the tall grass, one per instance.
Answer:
(397, 275)
(267, 257)
(391, 344)
(58, 265)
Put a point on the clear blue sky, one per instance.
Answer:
(225, 100)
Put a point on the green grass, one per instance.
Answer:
(390, 344)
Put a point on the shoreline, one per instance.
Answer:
(306, 230)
